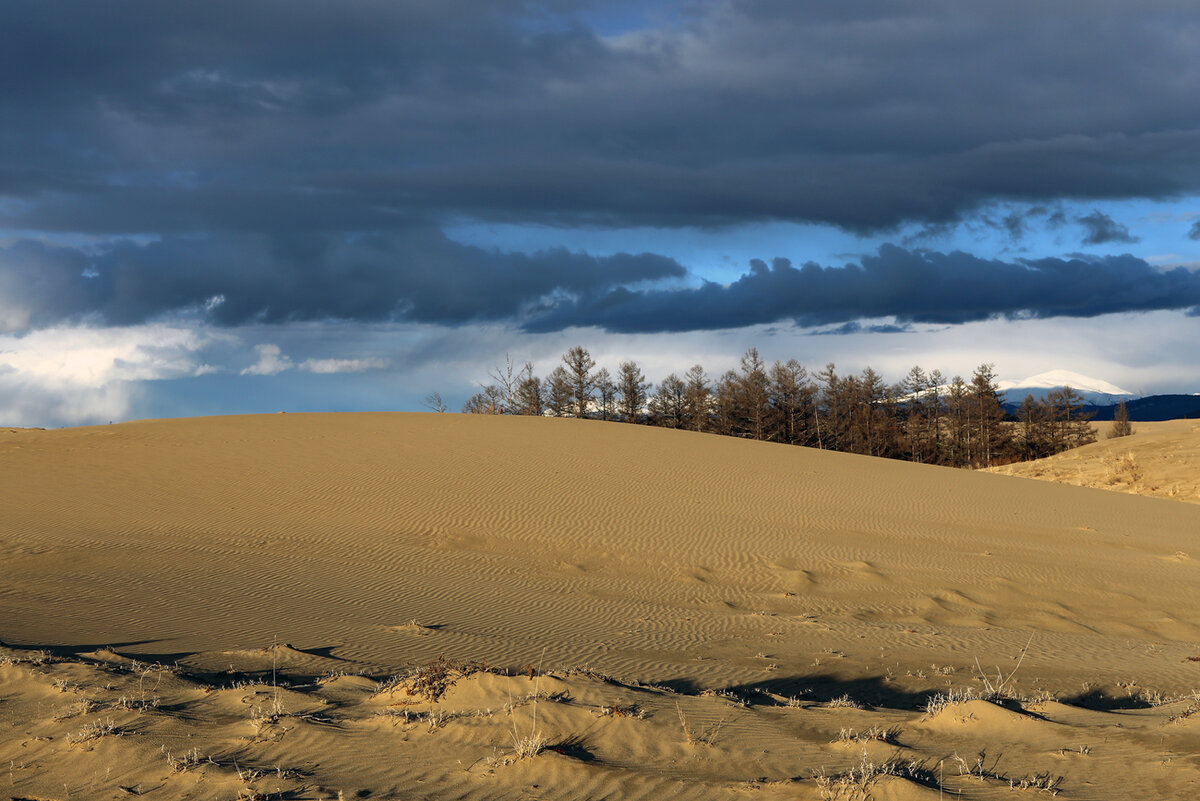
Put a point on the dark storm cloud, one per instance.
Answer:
(416, 275)
(1101, 229)
(1194, 233)
(911, 286)
(138, 116)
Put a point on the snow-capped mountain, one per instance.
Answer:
(1094, 390)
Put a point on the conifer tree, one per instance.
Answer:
(632, 389)
(579, 364)
(528, 398)
(668, 406)
(698, 408)
(606, 394)
(987, 413)
(558, 389)
(1121, 426)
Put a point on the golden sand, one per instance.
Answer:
(680, 616)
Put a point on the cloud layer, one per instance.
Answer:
(303, 115)
(416, 275)
(911, 286)
(421, 277)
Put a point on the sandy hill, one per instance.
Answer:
(662, 615)
(1159, 459)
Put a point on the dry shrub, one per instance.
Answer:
(431, 681)
(1123, 469)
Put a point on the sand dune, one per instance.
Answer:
(688, 616)
(1159, 460)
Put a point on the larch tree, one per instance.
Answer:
(668, 405)
(528, 398)
(988, 414)
(489, 400)
(606, 394)
(1121, 427)
(507, 378)
(698, 408)
(579, 364)
(632, 391)
(558, 391)
(752, 392)
(791, 400)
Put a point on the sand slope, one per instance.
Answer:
(706, 614)
(1159, 460)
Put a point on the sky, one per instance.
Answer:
(219, 207)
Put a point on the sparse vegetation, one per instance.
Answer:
(951, 696)
(1123, 469)
(982, 768)
(844, 702)
(94, 731)
(431, 681)
(854, 784)
(693, 736)
(873, 734)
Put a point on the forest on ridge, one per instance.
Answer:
(924, 418)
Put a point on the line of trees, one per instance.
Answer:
(923, 418)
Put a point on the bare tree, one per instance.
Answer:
(1071, 424)
(632, 390)
(791, 400)
(957, 419)
(606, 394)
(490, 400)
(433, 401)
(1032, 420)
(698, 409)
(558, 389)
(1121, 426)
(529, 393)
(507, 379)
(579, 364)
(988, 414)
(916, 424)
(753, 395)
(669, 404)
(830, 413)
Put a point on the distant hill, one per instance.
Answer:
(1152, 408)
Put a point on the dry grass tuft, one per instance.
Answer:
(94, 731)
(430, 682)
(855, 783)
(1122, 469)
(874, 734)
(696, 737)
(844, 702)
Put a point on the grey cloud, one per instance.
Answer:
(1194, 232)
(416, 275)
(1101, 229)
(910, 286)
(137, 116)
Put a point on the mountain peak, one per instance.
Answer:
(1092, 388)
